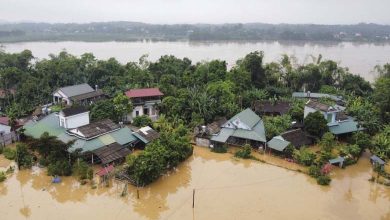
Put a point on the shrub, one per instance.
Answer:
(142, 121)
(9, 153)
(245, 152)
(82, 170)
(323, 180)
(60, 168)
(219, 149)
(289, 151)
(314, 171)
(24, 156)
(2, 176)
(327, 141)
(304, 156)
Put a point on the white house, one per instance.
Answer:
(145, 102)
(338, 122)
(329, 112)
(73, 117)
(81, 94)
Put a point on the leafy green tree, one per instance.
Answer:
(276, 125)
(253, 63)
(382, 97)
(24, 157)
(142, 121)
(122, 106)
(381, 143)
(102, 110)
(315, 124)
(244, 152)
(304, 156)
(366, 113)
(328, 142)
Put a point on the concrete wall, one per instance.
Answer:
(203, 142)
(74, 121)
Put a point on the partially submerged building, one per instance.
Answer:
(296, 138)
(145, 135)
(145, 102)
(204, 133)
(244, 128)
(338, 122)
(100, 142)
(81, 94)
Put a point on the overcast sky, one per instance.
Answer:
(198, 11)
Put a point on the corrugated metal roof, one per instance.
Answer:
(247, 117)
(74, 90)
(223, 135)
(277, 143)
(336, 160)
(344, 127)
(316, 95)
(50, 124)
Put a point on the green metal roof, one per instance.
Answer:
(278, 143)
(249, 118)
(50, 124)
(344, 127)
(223, 135)
(336, 160)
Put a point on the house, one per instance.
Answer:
(273, 108)
(145, 102)
(73, 117)
(145, 135)
(244, 128)
(81, 94)
(338, 122)
(204, 133)
(296, 138)
(105, 135)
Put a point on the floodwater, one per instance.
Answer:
(225, 188)
(360, 58)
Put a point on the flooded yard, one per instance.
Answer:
(225, 188)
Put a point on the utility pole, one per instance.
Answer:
(193, 198)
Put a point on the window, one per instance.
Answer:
(136, 113)
(146, 111)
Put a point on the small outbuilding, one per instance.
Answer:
(376, 161)
(337, 161)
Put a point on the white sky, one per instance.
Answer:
(198, 11)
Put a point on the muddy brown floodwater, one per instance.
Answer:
(225, 188)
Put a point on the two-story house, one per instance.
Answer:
(82, 94)
(145, 102)
(338, 122)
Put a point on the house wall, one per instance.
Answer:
(5, 129)
(59, 96)
(332, 120)
(203, 142)
(152, 111)
(74, 121)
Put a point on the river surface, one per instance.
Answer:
(360, 58)
(225, 188)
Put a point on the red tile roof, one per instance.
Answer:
(146, 92)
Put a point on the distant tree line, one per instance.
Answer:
(130, 31)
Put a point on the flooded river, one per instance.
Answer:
(225, 188)
(360, 58)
